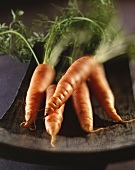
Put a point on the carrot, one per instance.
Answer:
(41, 78)
(83, 109)
(102, 91)
(78, 72)
(54, 120)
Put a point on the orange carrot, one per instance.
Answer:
(41, 78)
(102, 91)
(78, 72)
(54, 120)
(83, 109)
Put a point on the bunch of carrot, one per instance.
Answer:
(85, 74)
(79, 33)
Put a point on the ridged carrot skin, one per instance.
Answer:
(54, 120)
(42, 77)
(83, 108)
(99, 86)
(78, 72)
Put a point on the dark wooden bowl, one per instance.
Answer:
(73, 146)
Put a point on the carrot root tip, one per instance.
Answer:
(97, 130)
(33, 126)
(52, 140)
(23, 125)
(127, 121)
(26, 125)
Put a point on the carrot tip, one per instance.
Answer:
(26, 125)
(52, 140)
(127, 121)
(23, 125)
(33, 126)
(97, 130)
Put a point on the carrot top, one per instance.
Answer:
(78, 27)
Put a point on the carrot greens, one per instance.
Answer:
(90, 27)
(20, 35)
(16, 39)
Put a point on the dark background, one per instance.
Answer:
(7, 65)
